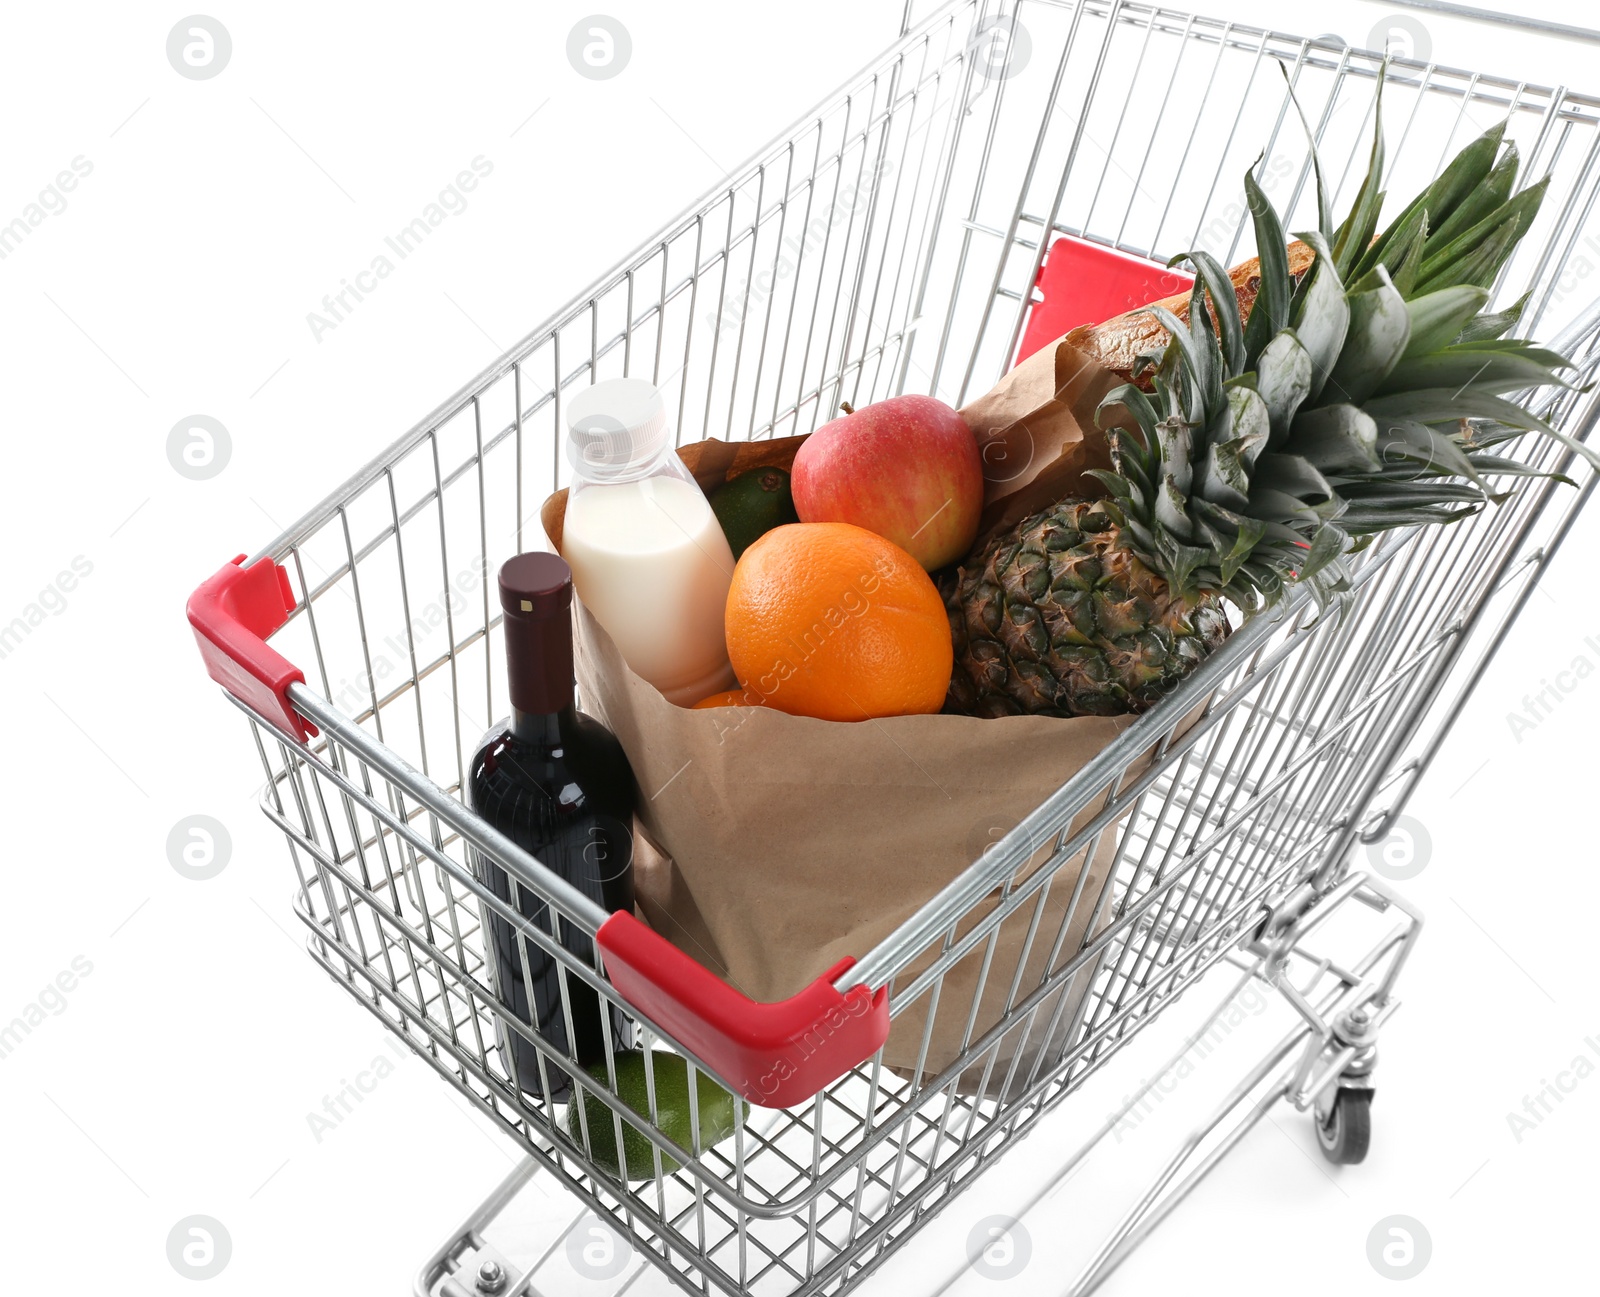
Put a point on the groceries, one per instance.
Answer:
(1271, 442)
(558, 784)
(1296, 408)
(829, 620)
(648, 556)
(1269, 425)
(906, 468)
(715, 1110)
(752, 504)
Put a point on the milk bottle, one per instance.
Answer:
(648, 557)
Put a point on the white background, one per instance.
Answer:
(179, 1076)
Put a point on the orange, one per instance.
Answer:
(732, 698)
(830, 620)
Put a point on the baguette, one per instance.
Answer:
(1120, 341)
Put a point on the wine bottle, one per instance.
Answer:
(558, 784)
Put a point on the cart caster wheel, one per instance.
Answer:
(1347, 1131)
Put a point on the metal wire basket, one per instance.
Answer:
(893, 240)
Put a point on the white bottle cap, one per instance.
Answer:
(616, 427)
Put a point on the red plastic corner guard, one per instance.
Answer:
(1085, 283)
(778, 1055)
(232, 613)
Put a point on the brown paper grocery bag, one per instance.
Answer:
(667, 903)
(795, 842)
(777, 845)
(1037, 433)
(1029, 1041)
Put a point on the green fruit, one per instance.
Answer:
(672, 1113)
(752, 504)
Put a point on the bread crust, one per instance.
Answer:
(1120, 341)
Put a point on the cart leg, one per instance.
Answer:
(466, 1245)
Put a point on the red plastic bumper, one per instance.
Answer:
(778, 1055)
(1085, 283)
(232, 613)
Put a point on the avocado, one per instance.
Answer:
(672, 1113)
(752, 504)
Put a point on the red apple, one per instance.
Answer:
(906, 467)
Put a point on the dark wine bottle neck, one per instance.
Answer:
(539, 663)
(543, 729)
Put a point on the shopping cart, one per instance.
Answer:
(896, 239)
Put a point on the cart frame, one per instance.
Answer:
(894, 239)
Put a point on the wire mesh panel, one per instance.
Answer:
(892, 241)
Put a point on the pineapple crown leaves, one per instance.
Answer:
(1370, 395)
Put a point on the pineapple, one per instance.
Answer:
(1060, 617)
(1266, 446)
